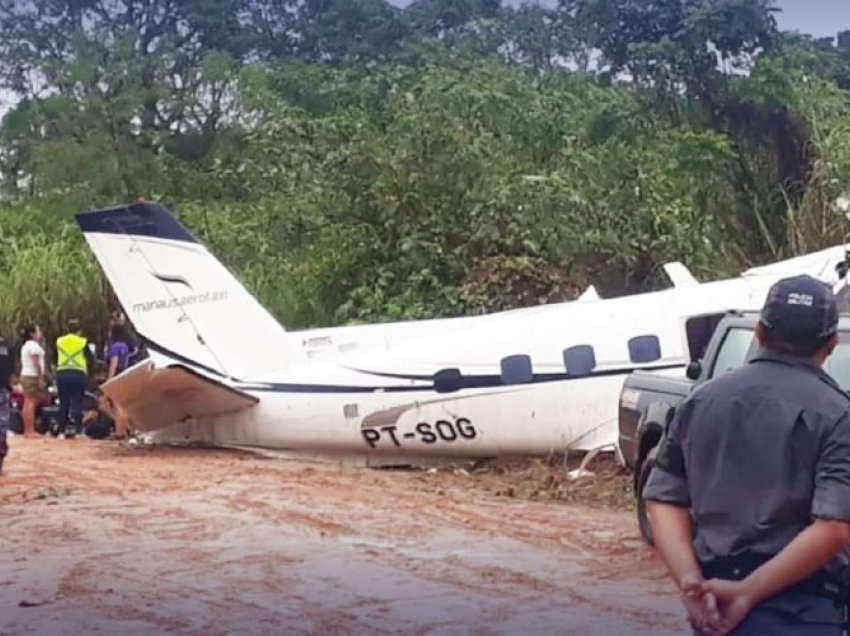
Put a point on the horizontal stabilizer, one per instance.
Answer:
(157, 397)
(680, 275)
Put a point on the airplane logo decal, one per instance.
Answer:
(195, 298)
(177, 280)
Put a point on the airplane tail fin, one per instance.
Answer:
(179, 297)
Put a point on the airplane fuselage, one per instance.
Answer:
(385, 404)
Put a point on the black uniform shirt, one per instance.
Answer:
(755, 454)
(7, 362)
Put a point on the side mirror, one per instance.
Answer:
(694, 370)
(579, 360)
(644, 349)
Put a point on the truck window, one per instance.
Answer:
(838, 364)
(734, 351)
(699, 330)
(740, 344)
(843, 299)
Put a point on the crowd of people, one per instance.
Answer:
(76, 372)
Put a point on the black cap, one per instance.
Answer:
(800, 308)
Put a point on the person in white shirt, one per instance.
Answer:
(32, 376)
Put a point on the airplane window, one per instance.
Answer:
(737, 347)
(579, 360)
(517, 370)
(644, 349)
(447, 380)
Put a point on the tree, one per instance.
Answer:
(354, 161)
(443, 18)
(673, 43)
(347, 31)
(132, 74)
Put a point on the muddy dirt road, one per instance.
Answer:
(101, 538)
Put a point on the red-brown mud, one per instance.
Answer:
(102, 538)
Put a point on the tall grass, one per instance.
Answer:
(49, 279)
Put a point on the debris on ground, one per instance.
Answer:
(551, 480)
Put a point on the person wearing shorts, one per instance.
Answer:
(32, 376)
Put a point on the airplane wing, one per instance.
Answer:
(158, 397)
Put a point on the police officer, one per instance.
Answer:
(73, 361)
(750, 497)
(7, 367)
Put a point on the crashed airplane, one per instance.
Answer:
(526, 382)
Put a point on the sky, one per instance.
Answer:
(821, 18)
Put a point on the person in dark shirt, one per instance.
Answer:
(118, 354)
(7, 368)
(119, 320)
(750, 497)
(118, 359)
(74, 364)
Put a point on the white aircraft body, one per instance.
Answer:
(534, 381)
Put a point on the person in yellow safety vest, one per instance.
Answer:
(74, 362)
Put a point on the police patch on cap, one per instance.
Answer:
(795, 298)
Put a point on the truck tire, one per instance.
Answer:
(642, 515)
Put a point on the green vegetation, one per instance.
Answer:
(353, 161)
